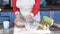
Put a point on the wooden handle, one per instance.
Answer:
(56, 25)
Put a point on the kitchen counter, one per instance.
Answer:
(54, 30)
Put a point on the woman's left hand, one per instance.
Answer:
(29, 16)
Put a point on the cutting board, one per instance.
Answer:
(24, 31)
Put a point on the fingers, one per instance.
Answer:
(15, 21)
(17, 15)
(20, 20)
(29, 16)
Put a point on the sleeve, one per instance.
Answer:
(35, 8)
(15, 9)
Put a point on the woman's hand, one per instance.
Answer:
(19, 18)
(17, 15)
(16, 19)
(29, 17)
(17, 24)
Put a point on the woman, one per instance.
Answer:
(26, 9)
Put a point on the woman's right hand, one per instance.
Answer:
(17, 17)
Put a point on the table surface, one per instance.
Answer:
(10, 31)
(53, 30)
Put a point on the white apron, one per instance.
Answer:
(26, 8)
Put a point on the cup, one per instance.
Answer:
(6, 25)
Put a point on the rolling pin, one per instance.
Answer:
(56, 25)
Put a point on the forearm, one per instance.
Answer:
(36, 7)
(15, 9)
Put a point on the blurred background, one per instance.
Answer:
(50, 8)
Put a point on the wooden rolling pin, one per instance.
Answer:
(56, 25)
